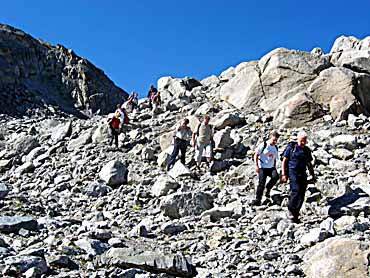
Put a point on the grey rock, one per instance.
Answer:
(61, 132)
(24, 263)
(171, 228)
(163, 185)
(26, 167)
(222, 138)
(114, 173)
(91, 246)
(179, 170)
(176, 265)
(96, 189)
(225, 119)
(350, 255)
(12, 224)
(218, 213)
(178, 205)
(345, 140)
(4, 190)
(83, 139)
(62, 261)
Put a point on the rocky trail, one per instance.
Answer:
(73, 206)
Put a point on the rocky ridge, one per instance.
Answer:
(38, 78)
(73, 206)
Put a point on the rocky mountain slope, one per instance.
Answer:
(72, 206)
(35, 75)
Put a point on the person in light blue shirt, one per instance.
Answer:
(265, 159)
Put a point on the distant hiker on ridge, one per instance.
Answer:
(153, 90)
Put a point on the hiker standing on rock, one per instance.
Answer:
(202, 141)
(265, 158)
(114, 125)
(297, 158)
(153, 90)
(156, 102)
(181, 141)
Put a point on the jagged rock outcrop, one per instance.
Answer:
(35, 75)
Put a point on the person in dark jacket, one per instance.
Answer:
(297, 158)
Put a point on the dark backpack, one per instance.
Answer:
(293, 144)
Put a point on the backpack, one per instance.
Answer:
(306, 150)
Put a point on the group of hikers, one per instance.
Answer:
(120, 118)
(296, 158)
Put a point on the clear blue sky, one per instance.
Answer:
(137, 42)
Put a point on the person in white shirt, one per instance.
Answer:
(265, 159)
(181, 141)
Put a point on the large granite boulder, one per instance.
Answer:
(337, 257)
(335, 89)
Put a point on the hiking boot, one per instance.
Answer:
(256, 202)
(266, 202)
(267, 194)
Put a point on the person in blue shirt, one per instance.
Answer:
(297, 158)
(265, 159)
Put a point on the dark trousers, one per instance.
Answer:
(298, 186)
(115, 134)
(262, 176)
(179, 145)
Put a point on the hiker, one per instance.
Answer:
(114, 125)
(135, 101)
(265, 158)
(180, 142)
(131, 103)
(124, 119)
(153, 90)
(156, 102)
(202, 141)
(297, 159)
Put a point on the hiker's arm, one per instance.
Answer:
(256, 158)
(193, 138)
(311, 171)
(284, 166)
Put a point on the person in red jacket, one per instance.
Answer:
(114, 125)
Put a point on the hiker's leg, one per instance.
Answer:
(116, 137)
(274, 177)
(183, 151)
(302, 183)
(111, 135)
(175, 152)
(209, 153)
(199, 153)
(294, 200)
(262, 174)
